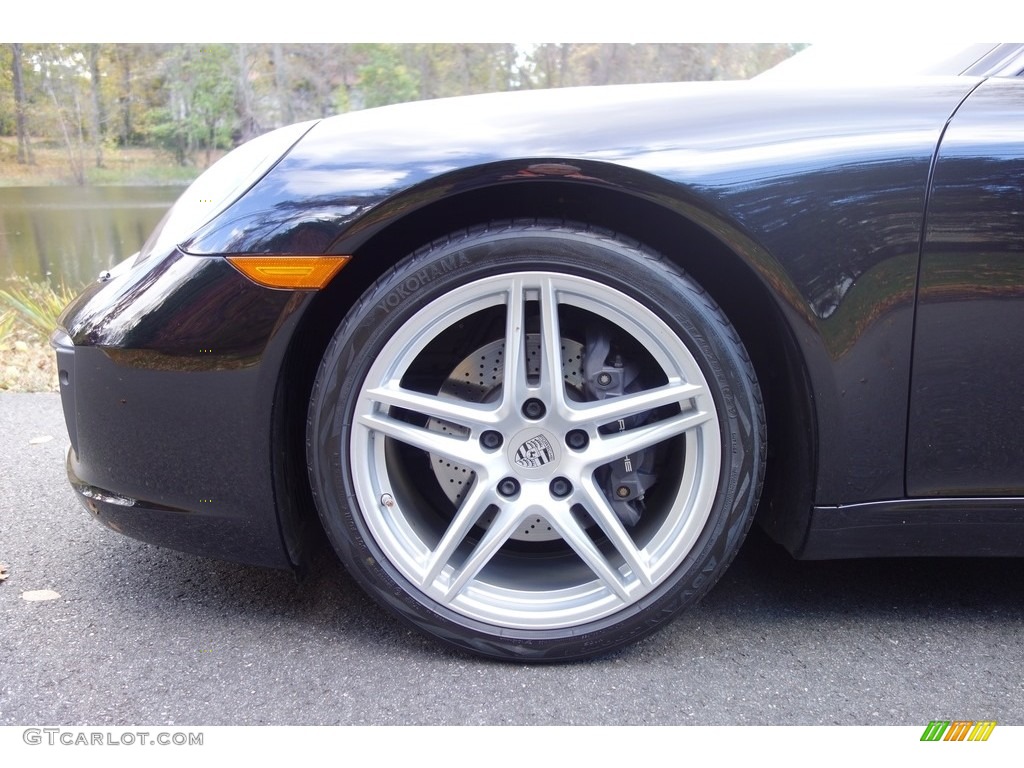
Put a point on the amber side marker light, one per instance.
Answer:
(295, 272)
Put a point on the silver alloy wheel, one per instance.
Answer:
(469, 559)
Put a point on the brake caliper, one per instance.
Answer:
(624, 481)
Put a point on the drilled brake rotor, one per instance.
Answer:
(478, 379)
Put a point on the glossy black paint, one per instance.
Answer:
(172, 374)
(820, 195)
(967, 404)
(180, 308)
(936, 527)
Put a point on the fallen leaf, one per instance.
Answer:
(35, 595)
(40, 439)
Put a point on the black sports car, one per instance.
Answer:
(534, 360)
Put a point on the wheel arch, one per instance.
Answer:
(744, 281)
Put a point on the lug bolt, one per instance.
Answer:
(604, 379)
(491, 439)
(577, 439)
(560, 487)
(508, 487)
(622, 491)
(533, 409)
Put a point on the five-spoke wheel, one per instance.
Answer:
(535, 441)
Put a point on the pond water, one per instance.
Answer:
(71, 234)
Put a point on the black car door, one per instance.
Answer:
(966, 420)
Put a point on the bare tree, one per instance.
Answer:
(99, 117)
(248, 125)
(24, 145)
(281, 84)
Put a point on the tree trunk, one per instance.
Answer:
(281, 85)
(124, 54)
(77, 171)
(246, 119)
(99, 118)
(24, 145)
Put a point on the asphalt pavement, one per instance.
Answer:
(143, 635)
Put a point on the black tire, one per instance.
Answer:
(522, 515)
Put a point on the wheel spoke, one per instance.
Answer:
(451, 446)
(562, 520)
(619, 444)
(498, 533)
(473, 506)
(551, 383)
(514, 381)
(601, 511)
(466, 414)
(604, 411)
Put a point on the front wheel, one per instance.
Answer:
(536, 441)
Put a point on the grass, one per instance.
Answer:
(36, 306)
(7, 318)
(28, 315)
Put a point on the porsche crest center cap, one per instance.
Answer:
(535, 452)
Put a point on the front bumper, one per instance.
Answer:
(168, 375)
